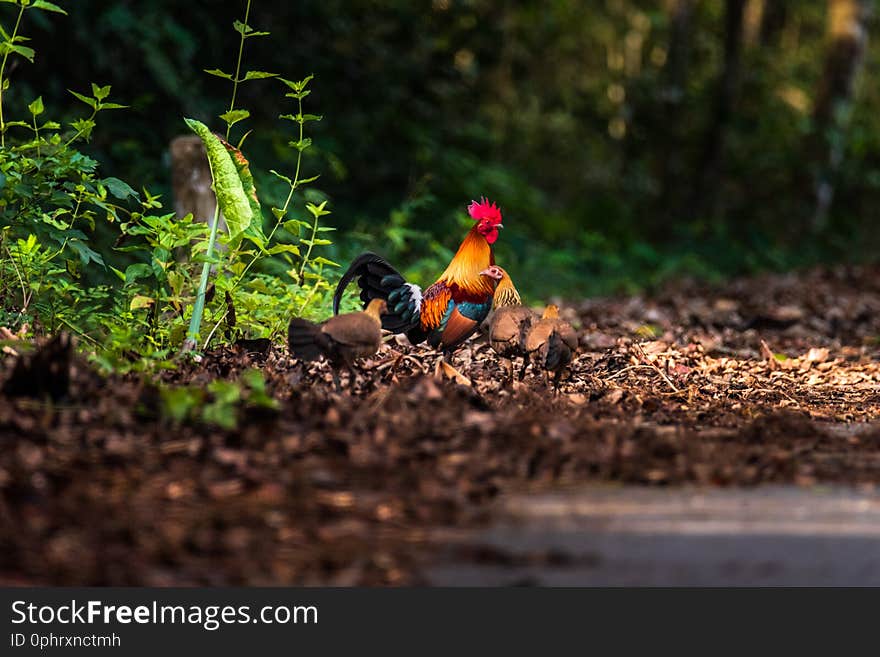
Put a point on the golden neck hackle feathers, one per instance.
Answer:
(473, 256)
(506, 293)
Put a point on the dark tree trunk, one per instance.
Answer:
(711, 160)
(670, 160)
(847, 40)
(773, 20)
(679, 46)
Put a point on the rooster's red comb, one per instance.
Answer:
(484, 210)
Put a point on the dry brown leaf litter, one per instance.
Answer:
(767, 380)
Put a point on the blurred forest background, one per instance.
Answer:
(626, 141)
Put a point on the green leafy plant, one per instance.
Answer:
(92, 255)
(53, 204)
(246, 242)
(220, 403)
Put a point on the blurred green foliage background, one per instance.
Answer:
(626, 141)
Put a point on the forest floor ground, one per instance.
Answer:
(763, 381)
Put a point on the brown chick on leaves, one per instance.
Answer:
(342, 339)
(510, 321)
(551, 342)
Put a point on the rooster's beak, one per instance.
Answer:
(499, 225)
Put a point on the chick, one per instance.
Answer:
(551, 343)
(510, 321)
(342, 339)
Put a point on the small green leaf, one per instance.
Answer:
(136, 272)
(259, 75)
(91, 102)
(140, 301)
(220, 74)
(100, 93)
(10, 124)
(84, 127)
(284, 248)
(301, 145)
(36, 107)
(47, 6)
(246, 30)
(294, 226)
(317, 210)
(279, 176)
(119, 188)
(234, 116)
(297, 86)
(24, 51)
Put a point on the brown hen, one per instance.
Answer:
(551, 343)
(341, 339)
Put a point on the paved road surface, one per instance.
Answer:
(767, 536)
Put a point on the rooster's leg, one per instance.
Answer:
(438, 368)
(336, 381)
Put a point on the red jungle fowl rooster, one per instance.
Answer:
(449, 311)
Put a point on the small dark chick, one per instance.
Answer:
(342, 339)
(510, 321)
(551, 342)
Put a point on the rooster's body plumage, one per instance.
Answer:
(448, 312)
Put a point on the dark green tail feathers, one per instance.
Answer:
(378, 279)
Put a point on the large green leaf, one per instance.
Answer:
(255, 230)
(227, 183)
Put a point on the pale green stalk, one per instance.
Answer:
(195, 321)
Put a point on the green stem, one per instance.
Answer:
(293, 186)
(69, 226)
(2, 70)
(311, 294)
(235, 80)
(195, 322)
(79, 132)
(309, 250)
(36, 135)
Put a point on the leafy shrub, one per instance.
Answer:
(92, 255)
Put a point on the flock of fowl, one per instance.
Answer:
(444, 315)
